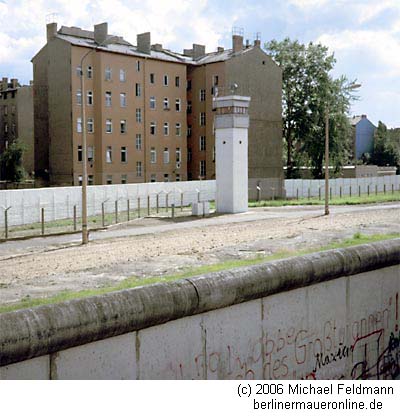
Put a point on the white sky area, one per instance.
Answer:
(363, 34)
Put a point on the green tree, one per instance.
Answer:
(308, 93)
(385, 152)
(11, 162)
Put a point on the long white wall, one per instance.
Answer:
(59, 202)
(26, 204)
(303, 187)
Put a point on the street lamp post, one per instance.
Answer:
(351, 87)
(85, 238)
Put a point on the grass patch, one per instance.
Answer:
(131, 282)
(347, 200)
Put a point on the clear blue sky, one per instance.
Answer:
(363, 34)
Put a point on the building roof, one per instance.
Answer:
(82, 38)
(355, 119)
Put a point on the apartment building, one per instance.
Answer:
(16, 118)
(149, 110)
(135, 101)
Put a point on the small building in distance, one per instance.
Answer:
(16, 118)
(362, 136)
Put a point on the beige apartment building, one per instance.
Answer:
(16, 118)
(149, 111)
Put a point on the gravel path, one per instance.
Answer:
(104, 262)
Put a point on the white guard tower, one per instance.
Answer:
(231, 153)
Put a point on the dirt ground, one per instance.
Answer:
(104, 262)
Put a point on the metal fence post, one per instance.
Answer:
(392, 189)
(340, 191)
(172, 210)
(138, 206)
(350, 190)
(330, 193)
(359, 190)
(384, 188)
(148, 205)
(157, 202)
(376, 189)
(297, 193)
(128, 210)
(166, 202)
(319, 193)
(368, 190)
(6, 222)
(116, 211)
(42, 220)
(181, 201)
(75, 218)
(102, 214)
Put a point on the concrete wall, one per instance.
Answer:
(305, 187)
(59, 202)
(329, 315)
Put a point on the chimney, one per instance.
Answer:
(257, 43)
(220, 49)
(237, 43)
(51, 30)
(100, 32)
(363, 116)
(188, 52)
(157, 47)
(198, 51)
(143, 42)
(4, 83)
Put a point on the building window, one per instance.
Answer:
(122, 126)
(137, 65)
(79, 125)
(189, 155)
(124, 155)
(153, 128)
(90, 153)
(166, 129)
(124, 179)
(189, 107)
(122, 75)
(138, 142)
(166, 155)
(90, 179)
(108, 99)
(202, 119)
(165, 80)
(166, 178)
(202, 145)
(177, 177)
(138, 168)
(108, 73)
(138, 115)
(178, 155)
(109, 154)
(137, 89)
(78, 99)
(153, 155)
(189, 85)
(152, 78)
(152, 102)
(109, 179)
(89, 95)
(122, 99)
(153, 178)
(202, 168)
(178, 105)
(202, 95)
(90, 125)
(178, 129)
(79, 71)
(166, 104)
(189, 131)
(108, 126)
(177, 81)
(215, 80)
(80, 154)
(89, 72)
